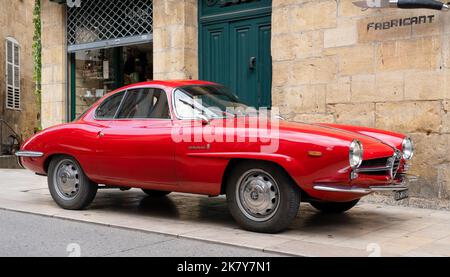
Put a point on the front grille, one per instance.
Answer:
(396, 159)
(381, 166)
(375, 163)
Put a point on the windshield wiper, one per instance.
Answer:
(195, 108)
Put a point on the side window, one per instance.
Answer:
(108, 109)
(145, 103)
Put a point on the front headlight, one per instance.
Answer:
(356, 154)
(407, 149)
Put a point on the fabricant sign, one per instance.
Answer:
(401, 22)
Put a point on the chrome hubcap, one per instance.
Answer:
(66, 180)
(258, 195)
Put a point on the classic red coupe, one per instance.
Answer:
(168, 136)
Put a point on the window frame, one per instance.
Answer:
(143, 118)
(106, 99)
(16, 90)
(134, 119)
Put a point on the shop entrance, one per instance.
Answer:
(110, 45)
(99, 71)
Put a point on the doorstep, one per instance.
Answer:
(9, 162)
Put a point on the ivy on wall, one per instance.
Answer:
(37, 59)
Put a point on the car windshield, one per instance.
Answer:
(212, 101)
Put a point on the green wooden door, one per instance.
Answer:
(237, 54)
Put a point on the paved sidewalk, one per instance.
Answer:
(367, 230)
(29, 235)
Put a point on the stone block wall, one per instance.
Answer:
(54, 64)
(334, 62)
(175, 47)
(16, 21)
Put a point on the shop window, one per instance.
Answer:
(100, 71)
(12, 74)
(145, 103)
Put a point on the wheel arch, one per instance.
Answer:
(232, 163)
(50, 157)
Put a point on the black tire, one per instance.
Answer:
(156, 193)
(86, 189)
(288, 200)
(334, 207)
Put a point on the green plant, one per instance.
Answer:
(37, 58)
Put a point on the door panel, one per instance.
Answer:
(216, 53)
(226, 58)
(264, 64)
(243, 78)
(202, 175)
(137, 153)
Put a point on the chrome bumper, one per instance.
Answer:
(29, 154)
(359, 190)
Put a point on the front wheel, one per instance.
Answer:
(261, 197)
(69, 186)
(334, 207)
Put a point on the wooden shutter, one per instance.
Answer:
(12, 74)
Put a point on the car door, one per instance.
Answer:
(196, 173)
(136, 148)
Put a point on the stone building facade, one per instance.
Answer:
(331, 62)
(16, 24)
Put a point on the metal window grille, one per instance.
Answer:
(99, 24)
(12, 74)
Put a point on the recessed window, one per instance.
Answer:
(12, 74)
(145, 103)
(109, 107)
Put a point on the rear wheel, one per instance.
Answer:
(334, 207)
(261, 197)
(69, 186)
(156, 193)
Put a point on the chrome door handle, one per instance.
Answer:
(100, 134)
(252, 63)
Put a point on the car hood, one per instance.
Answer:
(373, 148)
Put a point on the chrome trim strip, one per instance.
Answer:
(19, 162)
(373, 169)
(29, 154)
(389, 188)
(409, 177)
(338, 189)
(361, 190)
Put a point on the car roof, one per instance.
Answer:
(170, 84)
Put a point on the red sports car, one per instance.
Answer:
(198, 137)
